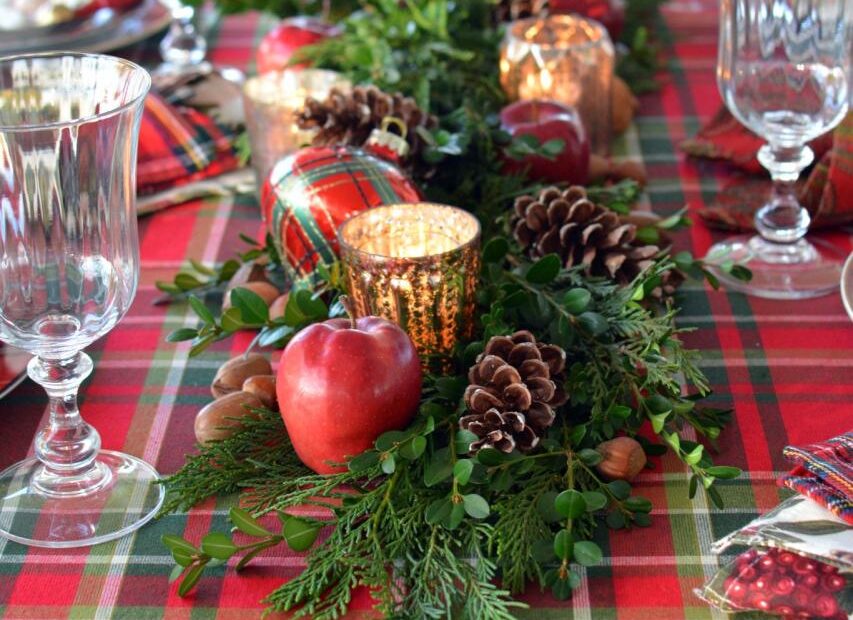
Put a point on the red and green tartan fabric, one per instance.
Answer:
(785, 367)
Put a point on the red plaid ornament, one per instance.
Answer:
(310, 193)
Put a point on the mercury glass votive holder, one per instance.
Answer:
(272, 102)
(417, 265)
(566, 58)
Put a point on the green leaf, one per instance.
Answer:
(590, 457)
(231, 320)
(577, 300)
(544, 270)
(176, 572)
(182, 558)
(218, 545)
(638, 504)
(694, 486)
(593, 323)
(476, 506)
(201, 310)
(563, 544)
(389, 464)
(247, 524)
(587, 553)
(818, 527)
(570, 504)
(741, 273)
(272, 335)
(542, 551)
(299, 533)
(310, 306)
(457, 513)
(438, 511)
(692, 457)
(673, 440)
(658, 404)
(546, 508)
(190, 579)
(253, 309)
(440, 467)
(363, 461)
(462, 471)
(658, 421)
(723, 472)
(185, 281)
(254, 553)
(562, 589)
(389, 439)
(553, 147)
(173, 542)
(491, 457)
(615, 520)
(643, 519)
(715, 496)
(594, 500)
(495, 250)
(181, 334)
(619, 489)
(413, 448)
(463, 441)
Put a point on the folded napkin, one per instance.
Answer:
(824, 473)
(180, 145)
(825, 192)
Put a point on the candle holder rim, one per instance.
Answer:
(144, 87)
(474, 240)
(525, 22)
(334, 78)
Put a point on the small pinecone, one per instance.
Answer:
(581, 233)
(349, 117)
(514, 388)
(508, 10)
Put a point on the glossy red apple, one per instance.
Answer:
(547, 120)
(280, 43)
(611, 13)
(341, 385)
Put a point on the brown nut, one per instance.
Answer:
(214, 421)
(264, 290)
(623, 458)
(254, 271)
(622, 107)
(231, 375)
(278, 305)
(262, 386)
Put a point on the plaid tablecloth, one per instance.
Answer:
(786, 368)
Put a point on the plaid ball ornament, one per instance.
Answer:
(311, 192)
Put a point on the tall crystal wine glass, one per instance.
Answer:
(783, 71)
(69, 265)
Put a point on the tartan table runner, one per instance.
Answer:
(785, 367)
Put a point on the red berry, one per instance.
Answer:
(767, 563)
(759, 600)
(748, 574)
(827, 569)
(810, 581)
(784, 610)
(762, 584)
(801, 597)
(786, 558)
(735, 590)
(825, 606)
(784, 585)
(833, 582)
(804, 565)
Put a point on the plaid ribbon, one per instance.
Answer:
(824, 473)
(179, 145)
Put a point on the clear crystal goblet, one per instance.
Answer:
(783, 71)
(69, 265)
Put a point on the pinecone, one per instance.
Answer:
(581, 233)
(349, 116)
(514, 388)
(508, 10)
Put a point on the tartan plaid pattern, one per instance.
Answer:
(786, 368)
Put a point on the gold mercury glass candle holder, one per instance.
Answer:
(417, 265)
(272, 102)
(565, 58)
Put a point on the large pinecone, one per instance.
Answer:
(581, 233)
(349, 116)
(508, 10)
(514, 388)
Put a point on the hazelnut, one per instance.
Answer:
(231, 375)
(278, 305)
(622, 107)
(262, 386)
(623, 458)
(221, 418)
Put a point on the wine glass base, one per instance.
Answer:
(128, 498)
(797, 270)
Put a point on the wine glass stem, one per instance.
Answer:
(783, 219)
(68, 445)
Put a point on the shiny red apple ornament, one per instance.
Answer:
(280, 43)
(611, 13)
(341, 385)
(547, 120)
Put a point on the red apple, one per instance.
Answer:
(342, 384)
(280, 43)
(547, 120)
(95, 5)
(611, 13)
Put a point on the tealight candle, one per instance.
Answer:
(417, 265)
(565, 58)
(272, 102)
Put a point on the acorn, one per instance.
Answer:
(264, 290)
(623, 106)
(278, 305)
(231, 375)
(221, 418)
(623, 458)
(262, 386)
